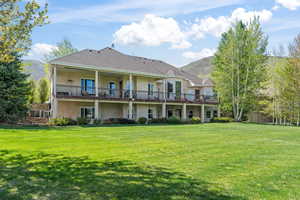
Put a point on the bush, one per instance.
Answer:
(119, 121)
(83, 121)
(195, 120)
(174, 120)
(71, 122)
(222, 119)
(59, 122)
(158, 121)
(142, 120)
(97, 121)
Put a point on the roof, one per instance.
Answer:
(110, 59)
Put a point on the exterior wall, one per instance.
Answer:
(142, 110)
(196, 111)
(71, 109)
(110, 110)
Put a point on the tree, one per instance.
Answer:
(17, 20)
(14, 91)
(240, 67)
(33, 92)
(64, 47)
(44, 90)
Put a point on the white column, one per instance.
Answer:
(130, 107)
(54, 100)
(164, 89)
(54, 81)
(97, 83)
(130, 86)
(184, 111)
(219, 111)
(164, 110)
(97, 109)
(54, 108)
(202, 113)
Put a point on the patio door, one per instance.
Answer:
(87, 86)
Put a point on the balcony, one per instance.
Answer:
(64, 91)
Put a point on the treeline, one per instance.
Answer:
(284, 85)
(249, 79)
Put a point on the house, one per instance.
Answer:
(102, 84)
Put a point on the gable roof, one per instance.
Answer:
(110, 59)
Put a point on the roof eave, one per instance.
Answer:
(106, 69)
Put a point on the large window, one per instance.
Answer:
(208, 114)
(88, 86)
(191, 114)
(112, 88)
(150, 89)
(150, 114)
(87, 112)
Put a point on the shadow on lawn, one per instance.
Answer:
(49, 176)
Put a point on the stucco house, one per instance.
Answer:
(102, 84)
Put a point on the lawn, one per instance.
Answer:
(210, 161)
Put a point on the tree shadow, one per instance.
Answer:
(51, 176)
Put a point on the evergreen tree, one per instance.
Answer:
(14, 91)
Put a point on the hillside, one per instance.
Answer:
(35, 68)
(201, 68)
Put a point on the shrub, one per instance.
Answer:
(174, 120)
(83, 121)
(195, 120)
(142, 120)
(71, 122)
(59, 122)
(158, 121)
(97, 121)
(119, 121)
(222, 119)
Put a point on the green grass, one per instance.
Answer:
(210, 161)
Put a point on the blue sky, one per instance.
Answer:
(176, 31)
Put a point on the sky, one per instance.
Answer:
(175, 31)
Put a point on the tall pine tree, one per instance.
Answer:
(14, 91)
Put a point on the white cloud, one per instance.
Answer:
(290, 4)
(276, 7)
(152, 31)
(217, 26)
(199, 55)
(39, 50)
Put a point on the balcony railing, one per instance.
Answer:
(63, 91)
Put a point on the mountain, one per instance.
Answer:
(202, 68)
(35, 68)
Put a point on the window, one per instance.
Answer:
(88, 85)
(208, 114)
(87, 112)
(150, 114)
(170, 90)
(170, 113)
(191, 114)
(112, 88)
(215, 113)
(150, 89)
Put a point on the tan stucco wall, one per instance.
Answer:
(110, 110)
(142, 110)
(71, 109)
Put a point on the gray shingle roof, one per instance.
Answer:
(111, 59)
